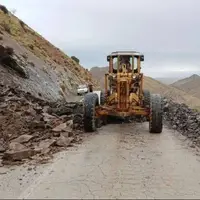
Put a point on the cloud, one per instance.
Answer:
(166, 31)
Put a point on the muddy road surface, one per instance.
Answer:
(119, 161)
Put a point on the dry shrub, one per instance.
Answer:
(4, 9)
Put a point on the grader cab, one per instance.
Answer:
(124, 95)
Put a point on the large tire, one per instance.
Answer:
(147, 97)
(156, 114)
(89, 118)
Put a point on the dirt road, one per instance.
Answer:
(120, 161)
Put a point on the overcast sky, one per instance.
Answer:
(166, 31)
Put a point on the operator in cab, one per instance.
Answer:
(125, 60)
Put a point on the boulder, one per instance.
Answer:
(47, 117)
(37, 124)
(18, 155)
(61, 127)
(23, 139)
(56, 134)
(63, 141)
(70, 123)
(61, 111)
(44, 144)
(16, 146)
(67, 134)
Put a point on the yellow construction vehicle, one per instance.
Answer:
(124, 95)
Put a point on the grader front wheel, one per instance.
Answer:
(89, 117)
(156, 114)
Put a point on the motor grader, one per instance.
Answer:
(124, 95)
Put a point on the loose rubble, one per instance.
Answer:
(183, 119)
(31, 128)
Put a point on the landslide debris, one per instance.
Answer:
(31, 128)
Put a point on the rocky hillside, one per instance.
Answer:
(32, 64)
(189, 85)
(154, 86)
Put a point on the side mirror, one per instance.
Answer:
(108, 58)
(142, 58)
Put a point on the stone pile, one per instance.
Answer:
(183, 119)
(31, 128)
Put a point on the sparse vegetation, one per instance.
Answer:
(76, 68)
(75, 59)
(4, 9)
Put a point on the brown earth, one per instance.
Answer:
(154, 86)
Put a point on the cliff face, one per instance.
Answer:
(32, 64)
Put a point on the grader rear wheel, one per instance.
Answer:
(156, 114)
(89, 119)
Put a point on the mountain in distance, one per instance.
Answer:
(190, 85)
(167, 80)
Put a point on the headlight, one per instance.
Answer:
(134, 77)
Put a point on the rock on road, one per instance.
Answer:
(120, 161)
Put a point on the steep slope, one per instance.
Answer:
(98, 73)
(154, 86)
(50, 73)
(189, 85)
